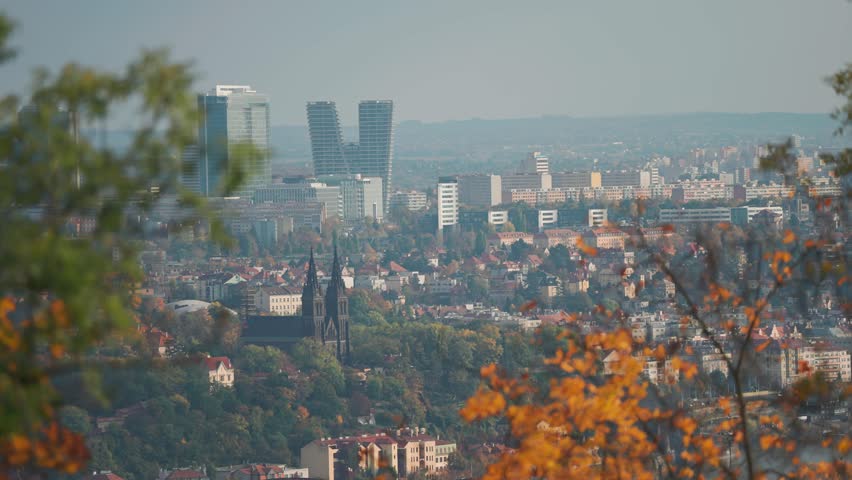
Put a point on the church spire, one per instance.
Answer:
(336, 282)
(312, 286)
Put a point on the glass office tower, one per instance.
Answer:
(232, 115)
(326, 139)
(375, 142)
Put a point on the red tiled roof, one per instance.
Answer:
(185, 475)
(395, 267)
(212, 363)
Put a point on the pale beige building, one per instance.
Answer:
(278, 300)
(324, 456)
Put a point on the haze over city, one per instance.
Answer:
(374, 240)
(457, 60)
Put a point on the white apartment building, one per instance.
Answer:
(535, 162)
(498, 217)
(448, 202)
(597, 217)
(547, 218)
(695, 215)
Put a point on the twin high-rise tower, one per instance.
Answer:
(371, 156)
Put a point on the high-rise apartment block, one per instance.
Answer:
(232, 115)
(448, 202)
(371, 156)
(535, 162)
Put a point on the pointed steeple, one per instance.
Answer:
(336, 284)
(312, 286)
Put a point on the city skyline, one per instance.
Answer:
(568, 59)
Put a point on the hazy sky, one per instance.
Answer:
(460, 59)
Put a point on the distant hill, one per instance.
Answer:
(291, 142)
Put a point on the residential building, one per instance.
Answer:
(547, 218)
(695, 215)
(597, 217)
(498, 217)
(535, 162)
(326, 458)
(576, 179)
(443, 450)
(701, 190)
(753, 190)
(800, 361)
(411, 200)
(556, 236)
(505, 239)
(625, 178)
(232, 115)
(745, 215)
(447, 202)
(219, 371)
(278, 300)
(605, 238)
(260, 471)
(520, 181)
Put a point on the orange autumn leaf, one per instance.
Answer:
(527, 306)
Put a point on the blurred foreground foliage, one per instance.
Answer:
(62, 294)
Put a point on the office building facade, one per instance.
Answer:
(326, 139)
(232, 115)
(375, 142)
(480, 191)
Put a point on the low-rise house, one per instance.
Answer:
(183, 474)
(505, 239)
(219, 371)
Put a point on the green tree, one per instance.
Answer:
(63, 290)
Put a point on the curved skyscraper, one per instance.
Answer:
(371, 156)
(326, 139)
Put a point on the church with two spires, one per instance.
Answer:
(324, 317)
